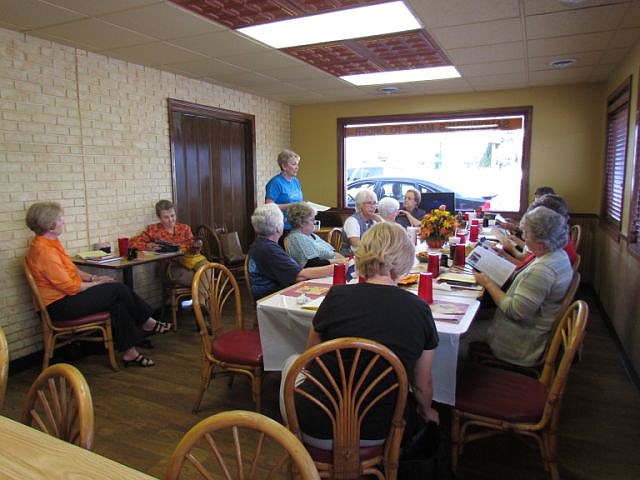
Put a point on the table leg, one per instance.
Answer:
(127, 277)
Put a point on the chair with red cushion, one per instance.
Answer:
(234, 350)
(359, 365)
(491, 400)
(57, 334)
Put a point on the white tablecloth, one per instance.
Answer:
(284, 327)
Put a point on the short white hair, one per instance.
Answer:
(267, 219)
(388, 207)
(365, 195)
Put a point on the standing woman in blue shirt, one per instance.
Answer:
(284, 189)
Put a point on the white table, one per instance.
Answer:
(284, 327)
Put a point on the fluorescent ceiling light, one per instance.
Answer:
(471, 127)
(402, 76)
(327, 27)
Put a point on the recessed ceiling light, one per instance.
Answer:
(326, 27)
(562, 63)
(402, 76)
(571, 2)
(390, 90)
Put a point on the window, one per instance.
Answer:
(481, 156)
(634, 219)
(615, 156)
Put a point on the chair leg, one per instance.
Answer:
(205, 380)
(174, 311)
(455, 439)
(108, 343)
(48, 350)
(256, 384)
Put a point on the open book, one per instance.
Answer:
(484, 259)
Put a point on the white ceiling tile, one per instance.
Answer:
(494, 82)
(557, 76)
(626, 37)
(582, 60)
(30, 14)
(93, 34)
(302, 71)
(486, 53)
(164, 21)
(319, 83)
(632, 16)
(570, 44)
(489, 33)
(493, 68)
(220, 44)
(536, 7)
(573, 22)
(446, 13)
(206, 67)
(153, 54)
(98, 7)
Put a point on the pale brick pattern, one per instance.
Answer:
(92, 133)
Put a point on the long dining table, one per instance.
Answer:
(285, 323)
(27, 453)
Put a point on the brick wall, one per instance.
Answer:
(91, 132)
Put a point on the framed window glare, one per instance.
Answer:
(482, 156)
(633, 237)
(615, 157)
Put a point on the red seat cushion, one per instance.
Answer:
(99, 317)
(326, 456)
(238, 346)
(501, 394)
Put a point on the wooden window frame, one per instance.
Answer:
(615, 157)
(526, 111)
(633, 234)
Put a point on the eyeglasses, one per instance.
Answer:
(369, 203)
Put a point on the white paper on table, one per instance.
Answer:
(318, 207)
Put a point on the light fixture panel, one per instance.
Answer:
(402, 76)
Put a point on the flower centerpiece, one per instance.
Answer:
(437, 226)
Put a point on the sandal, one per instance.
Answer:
(139, 361)
(159, 328)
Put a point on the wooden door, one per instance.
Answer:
(213, 160)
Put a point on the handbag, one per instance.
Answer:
(231, 248)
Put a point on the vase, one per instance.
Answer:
(435, 243)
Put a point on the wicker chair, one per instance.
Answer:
(490, 400)
(235, 350)
(59, 404)
(352, 393)
(57, 334)
(243, 445)
(214, 251)
(247, 280)
(575, 233)
(335, 238)
(4, 365)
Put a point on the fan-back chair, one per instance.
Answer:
(4, 365)
(57, 334)
(232, 350)
(241, 445)
(59, 404)
(355, 389)
(491, 400)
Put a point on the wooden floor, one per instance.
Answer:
(142, 413)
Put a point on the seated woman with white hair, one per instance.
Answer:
(388, 209)
(270, 268)
(521, 326)
(364, 218)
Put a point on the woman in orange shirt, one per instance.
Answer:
(69, 292)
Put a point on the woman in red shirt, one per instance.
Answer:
(68, 292)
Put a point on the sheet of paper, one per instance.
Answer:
(318, 207)
(490, 263)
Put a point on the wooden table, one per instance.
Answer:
(27, 453)
(127, 265)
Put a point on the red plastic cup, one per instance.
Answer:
(361, 279)
(462, 236)
(425, 287)
(123, 247)
(339, 274)
(474, 231)
(433, 267)
(475, 221)
(459, 259)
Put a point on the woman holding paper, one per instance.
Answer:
(68, 292)
(524, 318)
